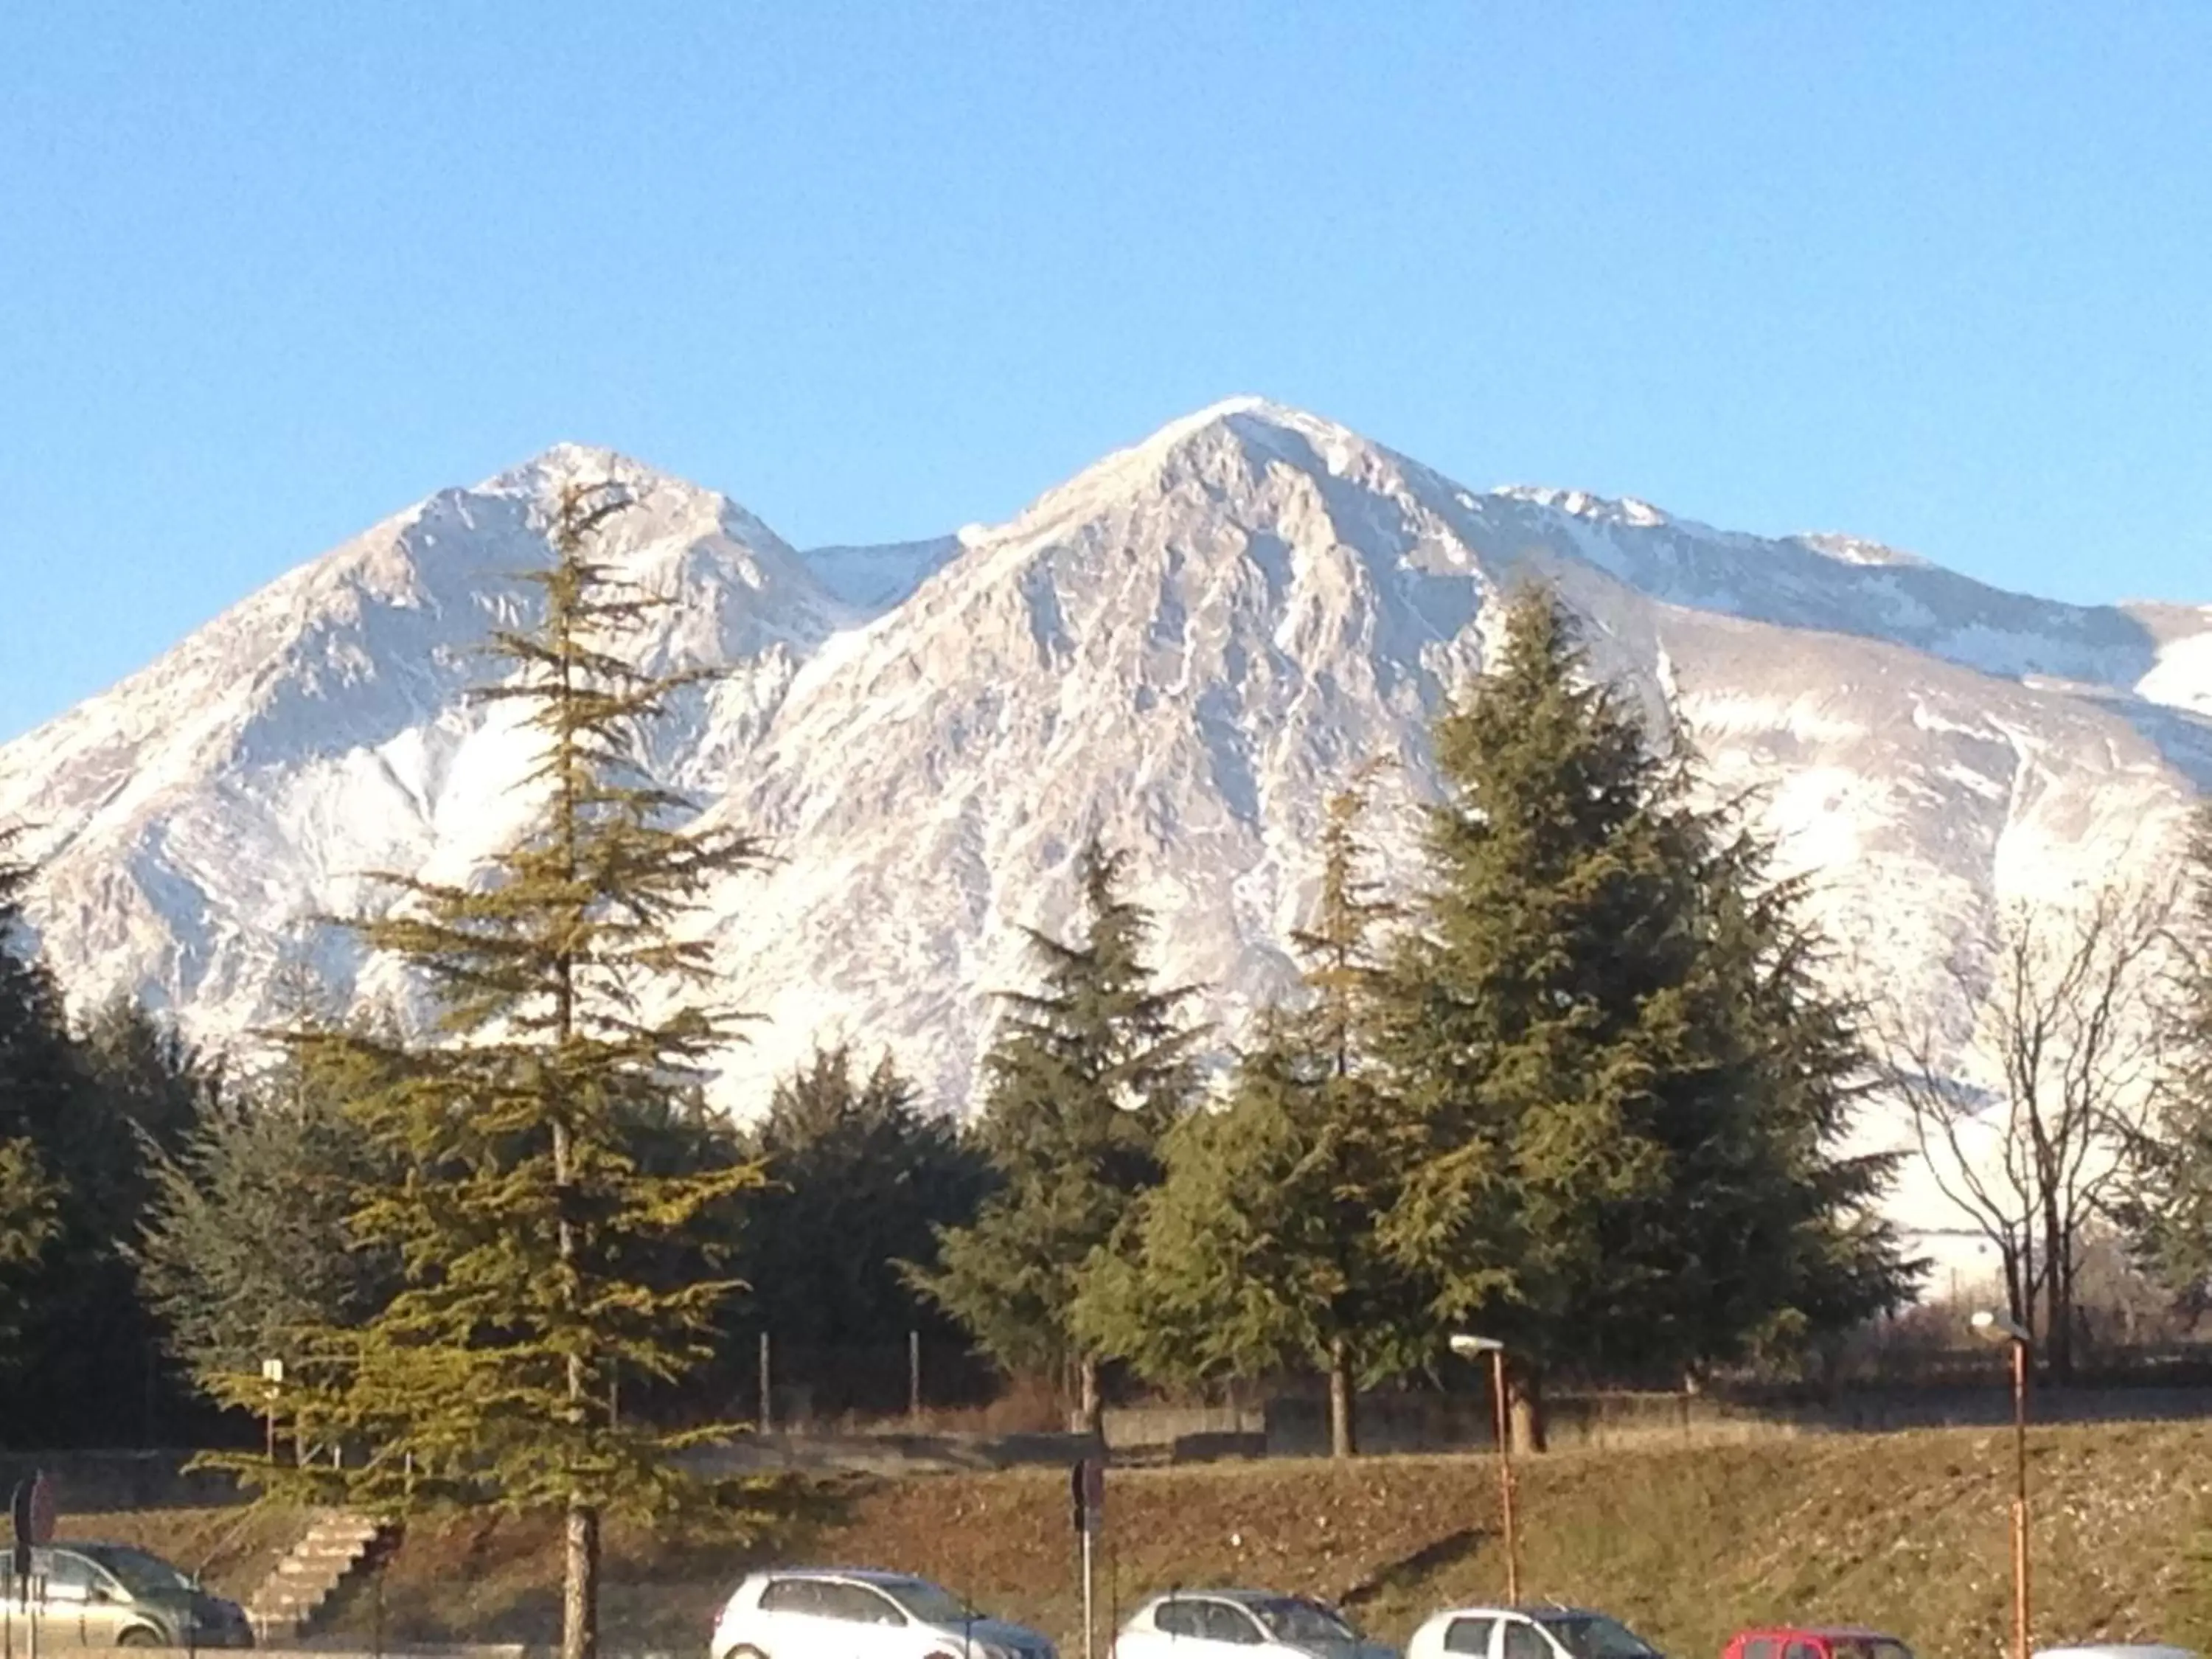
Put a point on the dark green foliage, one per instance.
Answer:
(99, 1345)
(39, 1085)
(249, 1236)
(1084, 1077)
(1629, 1089)
(82, 1118)
(860, 1179)
(1259, 1253)
(2169, 1207)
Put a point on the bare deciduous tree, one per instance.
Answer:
(2025, 1126)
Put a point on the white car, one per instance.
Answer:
(835, 1613)
(1548, 1632)
(1233, 1623)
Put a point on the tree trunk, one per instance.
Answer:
(1090, 1403)
(2058, 1294)
(1525, 1396)
(580, 1585)
(1343, 1437)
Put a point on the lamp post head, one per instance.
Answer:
(1468, 1347)
(1998, 1328)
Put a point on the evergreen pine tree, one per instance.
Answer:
(1628, 1086)
(532, 1231)
(1085, 1075)
(2170, 1211)
(81, 1118)
(860, 1178)
(36, 1081)
(1258, 1251)
(249, 1237)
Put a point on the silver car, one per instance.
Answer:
(112, 1595)
(852, 1613)
(1242, 1624)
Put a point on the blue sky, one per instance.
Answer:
(1937, 275)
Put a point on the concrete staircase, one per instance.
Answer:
(335, 1546)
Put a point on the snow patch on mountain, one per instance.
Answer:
(1185, 648)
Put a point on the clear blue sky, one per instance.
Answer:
(1937, 274)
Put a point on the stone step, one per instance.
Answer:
(328, 1552)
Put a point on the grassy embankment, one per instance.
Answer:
(1908, 1532)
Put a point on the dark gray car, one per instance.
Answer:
(113, 1595)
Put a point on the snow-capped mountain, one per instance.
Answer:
(1186, 647)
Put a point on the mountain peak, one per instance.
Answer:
(1243, 432)
(566, 463)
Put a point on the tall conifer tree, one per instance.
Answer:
(532, 1226)
(36, 1082)
(2169, 1209)
(1086, 1075)
(1629, 1089)
(860, 1176)
(1258, 1252)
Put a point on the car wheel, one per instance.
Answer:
(138, 1638)
(744, 1650)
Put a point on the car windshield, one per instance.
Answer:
(1590, 1636)
(1302, 1623)
(929, 1602)
(1857, 1647)
(140, 1574)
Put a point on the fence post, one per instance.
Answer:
(914, 1378)
(767, 1389)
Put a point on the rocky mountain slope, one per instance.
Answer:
(1185, 648)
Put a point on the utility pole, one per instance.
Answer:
(2000, 1327)
(767, 1389)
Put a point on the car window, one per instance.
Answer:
(1524, 1641)
(792, 1596)
(138, 1573)
(1760, 1647)
(931, 1603)
(1301, 1623)
(1802, 1650)
(69, 1576)
(856, 1604)
(1218, 1621)
(1469, 1636)
(1592, 1636)
(1176, 1617)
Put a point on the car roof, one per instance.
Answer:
(858, 1575)
(1214, 1593)
(1499, 1610)
(1847, 1632)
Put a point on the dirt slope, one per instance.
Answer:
(1908, 1532)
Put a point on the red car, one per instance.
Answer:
(1815, 1642)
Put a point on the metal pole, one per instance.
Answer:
(2020, 1600)
(1090, 1645)
(767, 1394)
(914, 1378)
(1505, 1479)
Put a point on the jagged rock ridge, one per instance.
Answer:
(1186, 647)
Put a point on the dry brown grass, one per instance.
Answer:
(1908, 1532)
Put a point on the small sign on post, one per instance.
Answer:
(272, 1377)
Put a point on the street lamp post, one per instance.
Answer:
(1471, 1347)
(1998, 1328)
